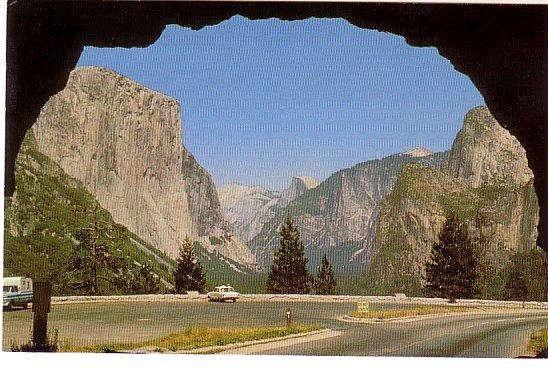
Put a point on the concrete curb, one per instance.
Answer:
(350, 319)
(222, 348)
(218, 349)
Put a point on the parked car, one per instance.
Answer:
(223, 293)
(17, 292)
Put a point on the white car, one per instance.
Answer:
(223, 293)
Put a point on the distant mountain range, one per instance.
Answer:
(351, 215)
(338, 215)
(248, 209)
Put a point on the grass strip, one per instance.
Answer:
(409, 312)
(197, 337)
(538, 341)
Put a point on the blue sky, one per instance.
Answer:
(262, 101)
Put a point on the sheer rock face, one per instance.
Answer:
(124, 143)
(484, 152)
(485, 180)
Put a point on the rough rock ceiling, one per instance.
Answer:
(501, 48)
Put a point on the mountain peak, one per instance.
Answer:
(308, 181)
(485, 152)
(418, 152)
(299, 185)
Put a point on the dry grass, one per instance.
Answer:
(197, 337)
(409, 312)
(538, 341)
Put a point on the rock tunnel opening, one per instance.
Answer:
(473, 38)
(271, 109)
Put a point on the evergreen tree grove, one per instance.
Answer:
(452, 270)
(188, 275)
(325, 282)
(527, 276)
(516, 286)
(288, 273)
(94, 260)
(145, 281)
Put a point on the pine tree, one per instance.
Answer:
(145, 281)
(533, 265)
(452, 271)
(516, 285)
(325, 282)
(94, 258)
(288, 273)
(188, 275)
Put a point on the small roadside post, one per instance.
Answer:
(363, 307)
(41, 302)
(288, 317)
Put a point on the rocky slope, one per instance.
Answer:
(124, 143)
(484, 180)
(42, 217)
(485, 153)
(338, 216)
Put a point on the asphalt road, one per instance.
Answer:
(496, 334)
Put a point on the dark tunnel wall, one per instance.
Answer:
(501, 48)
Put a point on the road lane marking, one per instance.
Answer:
(386, 352)
(143, 319)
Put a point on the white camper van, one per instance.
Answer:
(17, 292)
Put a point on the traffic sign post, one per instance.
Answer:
(363, 307)
(288, 317)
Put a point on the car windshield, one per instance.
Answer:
(9, 289)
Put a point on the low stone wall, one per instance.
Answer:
(127, 298)
(298, 298)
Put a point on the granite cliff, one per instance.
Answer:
(484, 179)
(124, 143)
